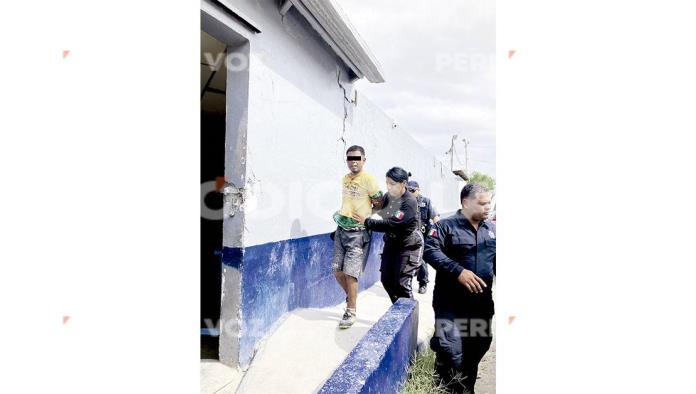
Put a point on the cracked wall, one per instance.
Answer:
(290, 119)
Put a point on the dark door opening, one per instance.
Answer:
(213, 111)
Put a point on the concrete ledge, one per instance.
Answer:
(379, 362)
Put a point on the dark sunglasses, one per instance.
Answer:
(354, 158)
(411, 190)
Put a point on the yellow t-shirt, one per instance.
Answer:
(357, 192)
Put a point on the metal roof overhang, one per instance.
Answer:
(332, 24)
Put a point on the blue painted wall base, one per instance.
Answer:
(379, 362)
(278, 277)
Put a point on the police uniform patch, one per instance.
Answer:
(399, 215)
(491, 234)
(433, 233)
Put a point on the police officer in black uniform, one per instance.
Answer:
(403, 241)
(428, 216)
(461, 248)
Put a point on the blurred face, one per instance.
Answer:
(477, 207)
(395, 189)
(355, 161)
(416, 192)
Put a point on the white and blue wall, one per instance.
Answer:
(291, 114)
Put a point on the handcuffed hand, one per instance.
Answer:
(358, 218)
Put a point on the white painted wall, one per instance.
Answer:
(295, 143)
(291, 114)
(296, 161)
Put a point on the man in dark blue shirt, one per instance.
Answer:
(428, 216)
(461, 248)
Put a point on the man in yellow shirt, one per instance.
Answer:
(351, 241)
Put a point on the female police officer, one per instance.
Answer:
(403, 241)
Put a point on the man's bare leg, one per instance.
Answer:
(352, 291)
(341, 279)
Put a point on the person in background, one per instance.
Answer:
(403, 240)
(351, 240)
(428, 216)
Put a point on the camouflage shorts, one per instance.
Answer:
(350, 251)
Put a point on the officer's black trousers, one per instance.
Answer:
(398, 269)
(423, 274)
(463, 335)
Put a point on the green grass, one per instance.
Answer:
(421, 375)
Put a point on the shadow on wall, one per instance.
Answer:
(279, 277)
(296, 230)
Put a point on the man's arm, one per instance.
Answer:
(432, 212)
(433, 254)
(377, 201)
(376, 195)
(494, 256)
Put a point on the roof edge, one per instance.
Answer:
(332, 24)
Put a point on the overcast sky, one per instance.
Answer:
(438, 59)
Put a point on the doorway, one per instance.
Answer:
(213, 111)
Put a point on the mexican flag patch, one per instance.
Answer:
(433, 233)
(399, 215)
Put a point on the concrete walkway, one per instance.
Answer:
(217, 378)
(308, 346)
